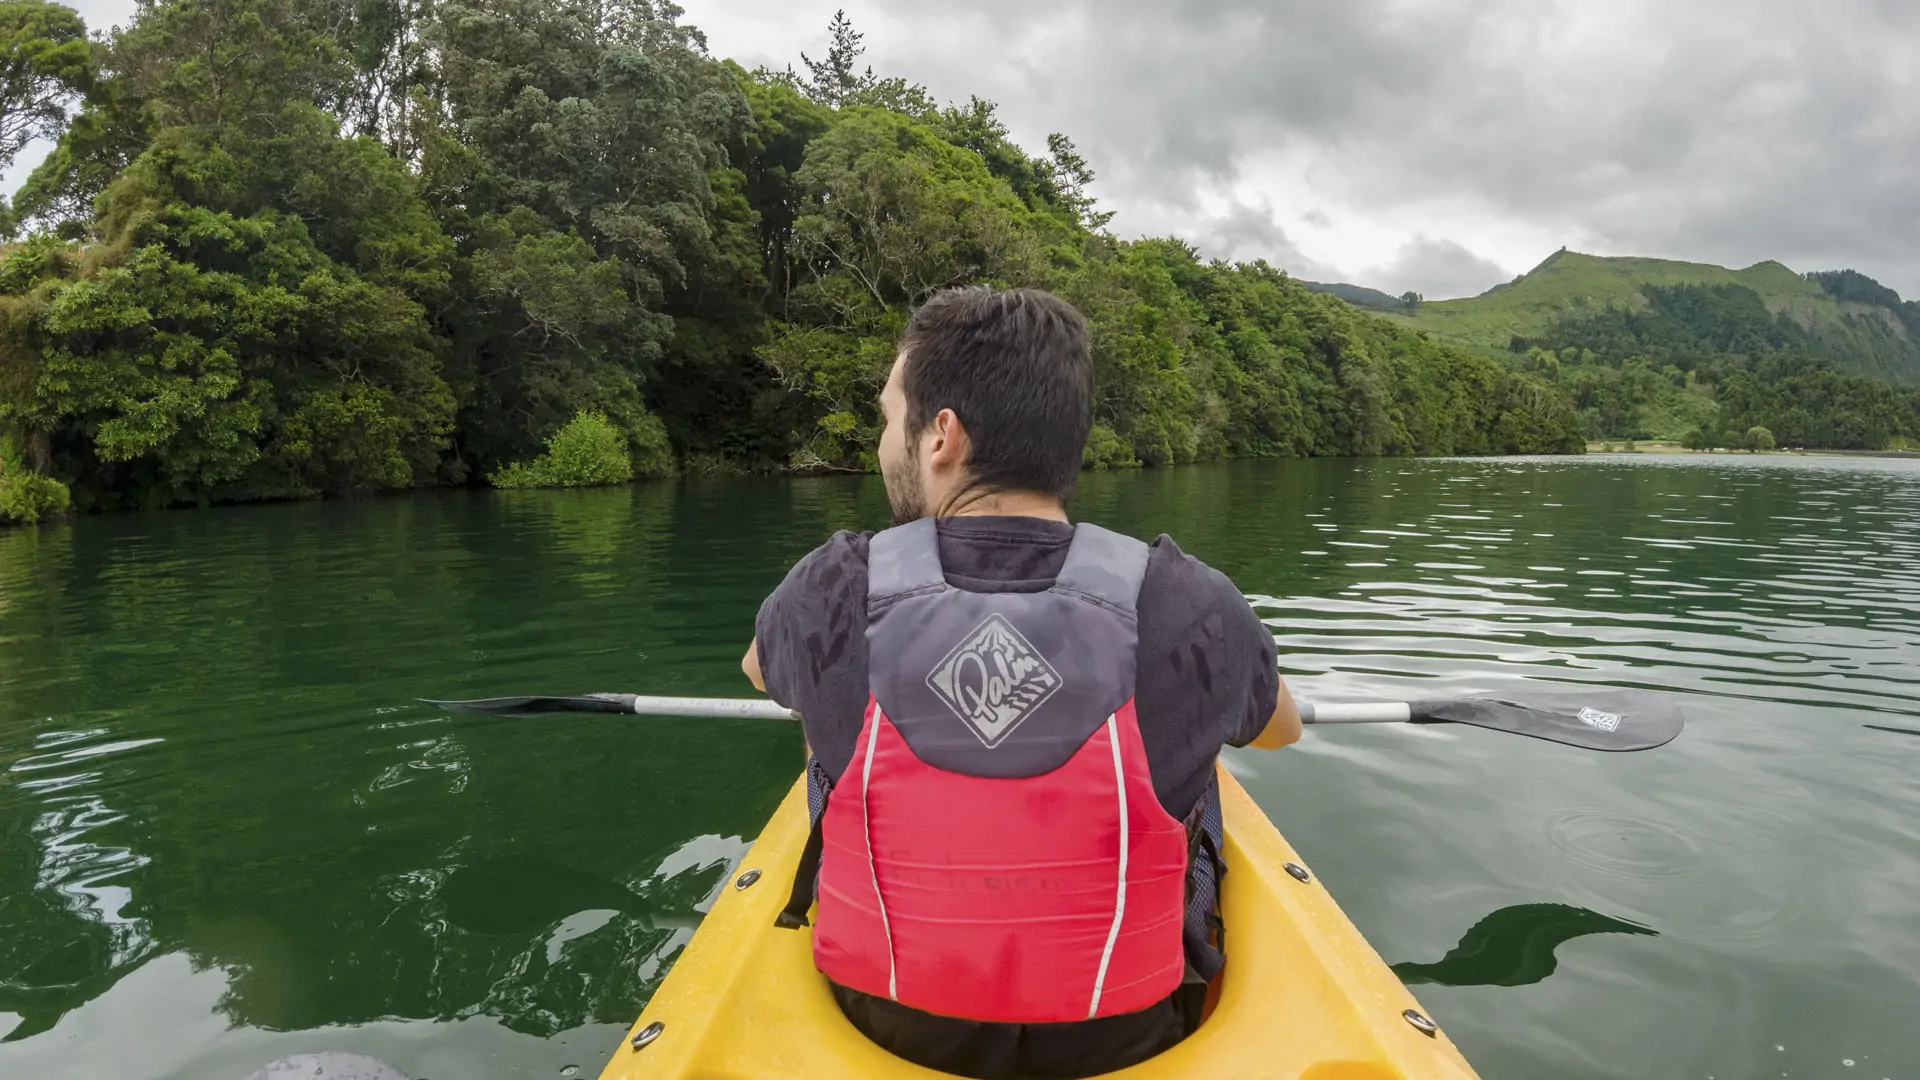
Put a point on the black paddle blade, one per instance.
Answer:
(542, 706)
(1600, 719)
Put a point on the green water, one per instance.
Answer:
(228, 834)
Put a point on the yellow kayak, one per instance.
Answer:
(1303, 996)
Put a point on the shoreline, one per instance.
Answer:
(1604, 446)
(706, 471)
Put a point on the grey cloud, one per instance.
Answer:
(1437, 269)
(1248, 233)
(1722, 130)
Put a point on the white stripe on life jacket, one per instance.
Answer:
(1120, 893)
(873, 868)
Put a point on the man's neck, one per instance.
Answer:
(1006, 504)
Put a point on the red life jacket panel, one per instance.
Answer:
(995, 850)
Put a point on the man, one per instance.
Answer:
(1013, 724)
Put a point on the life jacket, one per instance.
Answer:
(995, 850)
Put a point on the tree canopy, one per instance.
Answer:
(287, 249)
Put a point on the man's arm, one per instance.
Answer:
(1282, 730)
(750, 667)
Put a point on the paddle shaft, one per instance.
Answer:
(744, 708)
(1368, 712)
(1593, 718)
(1377, 712)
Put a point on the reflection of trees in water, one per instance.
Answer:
(299, 817)
(541, 945)
(475, 928)
(593, 538)
(68, 886)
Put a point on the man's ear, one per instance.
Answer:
(950, 444)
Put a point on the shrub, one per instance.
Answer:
(1107, 450)
(589, 451)
(25, 498)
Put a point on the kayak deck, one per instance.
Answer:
(1303, 997)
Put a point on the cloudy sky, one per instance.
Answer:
(1433, 145)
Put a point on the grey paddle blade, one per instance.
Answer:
(1601, 719)
(327, 1066)
(542, 706)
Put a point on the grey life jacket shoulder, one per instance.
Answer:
(1004, 684)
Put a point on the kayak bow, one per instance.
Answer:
(1303, 997)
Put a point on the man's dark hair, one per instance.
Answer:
(1016, 368)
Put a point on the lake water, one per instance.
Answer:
(228, 833)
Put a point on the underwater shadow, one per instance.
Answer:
(1514, 946)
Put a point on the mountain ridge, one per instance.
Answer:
(1359, 296)
(1868, 329)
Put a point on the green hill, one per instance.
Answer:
(1358, 295)
(1866, 331)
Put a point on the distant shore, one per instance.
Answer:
(1616, 446)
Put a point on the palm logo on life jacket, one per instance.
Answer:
(994, 679)
(995, 849)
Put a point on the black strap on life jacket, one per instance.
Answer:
(794, 915)
(1203, 933)
(800, 899)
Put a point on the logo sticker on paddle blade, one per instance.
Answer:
(1605, 721)
(993, 680)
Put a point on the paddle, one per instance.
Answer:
(1613, 720)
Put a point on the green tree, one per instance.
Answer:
(836, 77)
(252, 322)
(575, 169)
(214, 354)
(891, 213)
(46, 66)
(1072, 176)
(1759, 438)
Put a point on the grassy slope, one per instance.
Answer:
(1871, 341)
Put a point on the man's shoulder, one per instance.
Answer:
(1170, 568)
(831, 565)
(844, 544)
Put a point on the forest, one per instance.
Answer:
(286, 250)
(1712, 365)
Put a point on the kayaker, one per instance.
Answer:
(1013, 723)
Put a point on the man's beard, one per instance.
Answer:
(904, 490)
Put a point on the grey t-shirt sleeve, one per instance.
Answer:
(1208, 673)
(812, 640)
